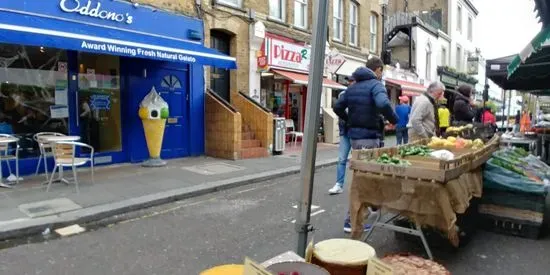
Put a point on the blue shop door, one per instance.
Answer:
(172, 85)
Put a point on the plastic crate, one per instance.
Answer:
(508, 226)
(519, 200)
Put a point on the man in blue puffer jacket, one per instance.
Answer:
(365, 101)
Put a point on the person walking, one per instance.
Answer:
(517, 121)
(444, 118)
(423, 121)
(365, 101)
(344, 147)
(403, 110)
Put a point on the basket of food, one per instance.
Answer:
(406, 264)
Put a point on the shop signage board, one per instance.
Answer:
(448, 80)
(334, 61)
(94, 9)
(286, 55)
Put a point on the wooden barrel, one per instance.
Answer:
(230, 269)
(343, 256)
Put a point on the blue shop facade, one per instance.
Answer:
(82, 67)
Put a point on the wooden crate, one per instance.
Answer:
(424, 168)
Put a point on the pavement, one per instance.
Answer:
(27, 209)
(188, 236)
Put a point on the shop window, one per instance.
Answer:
(470, 28)
(458, 58)
(353, 24)
(277, 9)
(338, 22)
(99, 102)
(443, 56)
(171, 82)
(33, 82)
(459, 18)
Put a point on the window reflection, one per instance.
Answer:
(32, 80)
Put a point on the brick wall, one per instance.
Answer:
(260, 121)
(223, 130)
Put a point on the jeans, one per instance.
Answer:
(343, 152)
(402, 135)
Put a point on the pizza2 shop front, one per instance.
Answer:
(81, 68)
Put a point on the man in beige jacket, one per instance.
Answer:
(423, 117)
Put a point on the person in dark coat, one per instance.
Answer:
(365, 101)
(463, 110)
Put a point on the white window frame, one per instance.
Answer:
(458, 58)
(459, 18)
(470, 28)
(353, 25)
(282, 10)
(232, 3)
(338, 21)
(303, 12)
(373, 31)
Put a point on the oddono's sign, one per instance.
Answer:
(94, 10)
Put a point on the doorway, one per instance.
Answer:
(219, 78)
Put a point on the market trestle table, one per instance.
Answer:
(429, 192)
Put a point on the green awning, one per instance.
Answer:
(535, 49)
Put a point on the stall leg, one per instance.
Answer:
(424, 242)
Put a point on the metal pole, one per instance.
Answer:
(309, 142)
(509, 108)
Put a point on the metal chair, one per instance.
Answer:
(64, 156)
(45, 150)
(7, 154)
(289, 124)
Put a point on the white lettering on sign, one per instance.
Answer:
(88, 9)
(136, 52)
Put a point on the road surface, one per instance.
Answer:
(256, 221)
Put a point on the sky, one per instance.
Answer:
(504, 27)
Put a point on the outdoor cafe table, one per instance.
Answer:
(6, 141)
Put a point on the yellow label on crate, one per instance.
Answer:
(377, 267)
(252, 268)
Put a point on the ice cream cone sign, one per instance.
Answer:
(153, 112)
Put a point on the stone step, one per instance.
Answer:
(250, 143)
(256, 152)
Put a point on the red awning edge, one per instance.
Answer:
(300, 78)
(407, 88)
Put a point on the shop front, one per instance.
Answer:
(452, 80)
(81, 68)
(284, 66)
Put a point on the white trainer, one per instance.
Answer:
(337, 189)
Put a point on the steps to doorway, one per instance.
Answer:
(250, 146)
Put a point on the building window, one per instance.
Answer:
(459, 18)
(300, 13)
(233, 3)
(443, 56)
(338, 13)
(353, 24)
(277, 9)
(373, 32)
(458, 58)
(470, 28)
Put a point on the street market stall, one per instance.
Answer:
(429, 182)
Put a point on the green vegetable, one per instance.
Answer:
(386, 159)
(415, 151)
(509, 166)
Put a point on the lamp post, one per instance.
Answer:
(384, 6)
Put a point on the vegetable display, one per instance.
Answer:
(387, 159)
(522, 163)
(415, 151)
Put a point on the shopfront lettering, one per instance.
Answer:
(287, 55)
(94, 10)
(136, 52)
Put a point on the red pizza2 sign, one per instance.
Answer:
(285, 55)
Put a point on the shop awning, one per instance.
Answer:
(299, 78)
(349, 67)
(534, 59)
(407, 88)
(71, 35)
